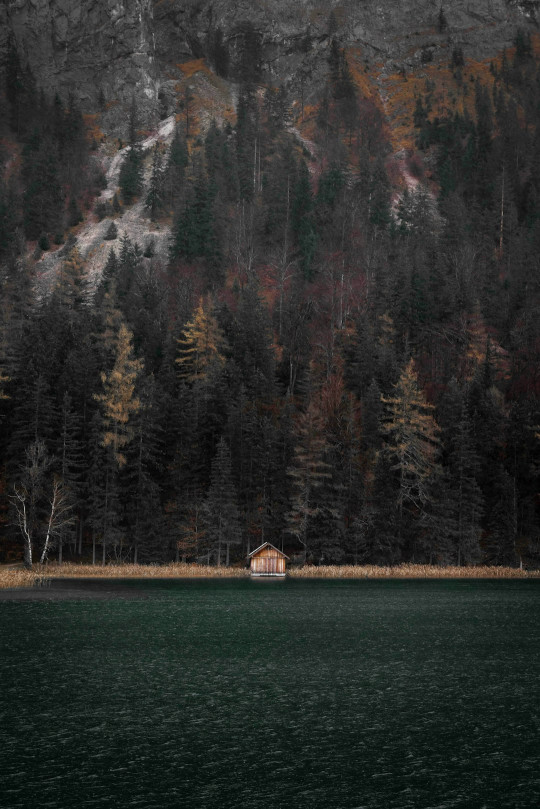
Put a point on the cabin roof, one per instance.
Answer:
(267, 545)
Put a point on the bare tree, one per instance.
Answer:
(27, 495)
(39, 507)
(20, 500)
(60, 515)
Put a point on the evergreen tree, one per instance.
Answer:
(220, 509)
(70, 469)
(144, 516)
(34, 413)
(118, 402)
(105, 512)
(462, 497)
(411, 446)
(219, 53)
(194, 233)
(43, 197)
(250, 53)
(154, 199)
(302, 221)
(130, 179)
(308, 472)
(201, 346)
(70, 283)
(247, 142)
(175, 171)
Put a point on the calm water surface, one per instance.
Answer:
(262, 695)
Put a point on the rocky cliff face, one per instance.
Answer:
(117, 49)
(86, 47)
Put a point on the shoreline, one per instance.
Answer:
(16, 578)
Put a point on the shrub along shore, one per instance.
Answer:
(20, 577)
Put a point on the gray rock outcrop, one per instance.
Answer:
(114, 49)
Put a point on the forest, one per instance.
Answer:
(336, 357)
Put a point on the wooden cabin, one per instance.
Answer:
(267, 561)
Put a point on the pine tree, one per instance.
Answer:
(250, 54)
(130, 179)
(308, 472)
(118, 402)
(201, 346)
(34, 413)
(177, 162)
(70, 282)
(194, 233)
(43, 201)
(155, 202)
(461, 496)
(251, 343)
(379, 209)
(302, 220)
(376, 535)
(144, 516)
(442, 22)
(220, 509)
(70, 469)
(412, 445)
(247, 142)
(219, 53)
(105, 512)
(9, 216)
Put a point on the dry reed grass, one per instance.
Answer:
(13, 577)
(408, 571)
(19, 577)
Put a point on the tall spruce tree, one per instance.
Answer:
(201, 345)
(308, 472)
(220, 508)
(118, 401)
(412, 447)
(155, 200)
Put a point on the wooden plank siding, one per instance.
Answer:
(268, 565)
(267, 561)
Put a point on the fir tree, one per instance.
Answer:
(154, 199)
(220, 509)
(411, 446)
(308, 472)
(302, 221)
(201, 345)
(131, 175)
(70, 469)
(177, 162)
(118, 402)
(142, 478)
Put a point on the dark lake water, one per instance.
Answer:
(262, 695)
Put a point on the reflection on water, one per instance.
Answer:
(304, 695)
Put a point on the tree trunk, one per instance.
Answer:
(93, 548)
(28, 553)
(80, 535)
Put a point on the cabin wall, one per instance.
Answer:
(268, 565)
(269, 552)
